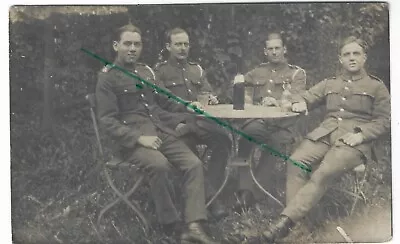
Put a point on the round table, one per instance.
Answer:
(226, 111)
(221, 112)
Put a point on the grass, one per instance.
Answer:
(58, 190)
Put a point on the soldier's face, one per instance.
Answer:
(275, 51)
(129, 47)
(179, 46)
(352, 57)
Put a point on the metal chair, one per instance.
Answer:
(357, 177)
(116, 163)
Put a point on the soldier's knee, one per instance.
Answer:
(251, 128)
(321, 177)
(159, 163)
(194, 163)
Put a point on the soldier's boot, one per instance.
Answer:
(278, 229)
(172, 230)
(195, 233)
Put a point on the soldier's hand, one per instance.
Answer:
(153, 142)
(213, 100)
(269, 101)
(352, 139)
(299, 107)
(238, 79)
(180, 126)
(197, 104)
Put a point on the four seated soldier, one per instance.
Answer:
(157, 139)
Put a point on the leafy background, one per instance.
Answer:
(57, 187)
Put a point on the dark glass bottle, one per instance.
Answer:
(238, 96)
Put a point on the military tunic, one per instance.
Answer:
(127, 111)
(354, 103)
(268, 80)
(186, 80)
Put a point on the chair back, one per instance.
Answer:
(91, 98)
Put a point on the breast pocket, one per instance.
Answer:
(362, 101)
(260, 90)
(128, 96)
(175, 87)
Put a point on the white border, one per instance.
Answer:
(5, 216)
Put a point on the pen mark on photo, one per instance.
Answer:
(199, 111)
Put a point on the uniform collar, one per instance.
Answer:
(130, 67)
(353, 77)
(277, 67)
(177, 63)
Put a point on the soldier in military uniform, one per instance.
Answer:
(187, 80)
(358, 112)
(130, 116)
(265, 85)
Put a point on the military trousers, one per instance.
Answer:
(173, 153)
(305, 189)
(277, 137)
(217, 140)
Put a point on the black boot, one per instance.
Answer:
(217, 210)
(171, 232)
(194, 233)
(278, 229)
(245, 200)
(173, 229)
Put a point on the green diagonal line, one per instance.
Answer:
(199, 111)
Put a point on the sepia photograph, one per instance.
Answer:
(201, 123)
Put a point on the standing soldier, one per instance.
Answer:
(265, 85)
(358, 112)
(187, 80)
(128, 114)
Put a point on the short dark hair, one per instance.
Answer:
(125, 28)
(275, 35)
(174, 31)
(352, 39)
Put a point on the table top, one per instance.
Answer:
(250, 111)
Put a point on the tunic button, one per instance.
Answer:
(273, 71)
(142, 95)
(186, 79)
(341, 109)
(340, 119)
(364, 93)
(349, 81)
(269, 91)
(257, 82)
(346, 88)
(189, 90)
(146, 105)
(343, 98)
(135, 71)
(125, 90)
(271, 81)
(183, 69)
(124, 122)
(150, 115)
(173, 83)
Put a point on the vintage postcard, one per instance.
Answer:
(201, 123)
